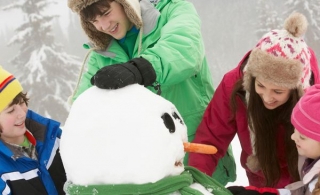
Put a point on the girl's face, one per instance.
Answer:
(306, 146)
(272, 96)
(113, 21)
(12, 123)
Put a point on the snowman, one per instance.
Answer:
(129, 141)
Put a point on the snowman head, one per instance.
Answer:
(122, 136)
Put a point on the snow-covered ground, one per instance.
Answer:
(241, 175)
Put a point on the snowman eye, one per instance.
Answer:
(176, 116)
(168, 122)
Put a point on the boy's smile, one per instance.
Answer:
(12, 123)
(113, 21)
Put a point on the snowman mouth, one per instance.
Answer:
(178, 164)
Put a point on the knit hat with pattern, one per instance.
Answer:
(306, 116)
(281, 57)
(9, 88)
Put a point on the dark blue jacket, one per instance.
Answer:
(21, 175)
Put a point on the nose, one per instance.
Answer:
(267, 97)
(293, 136)
(102, 25)
(21, 110)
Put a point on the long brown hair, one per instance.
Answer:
(265, 125)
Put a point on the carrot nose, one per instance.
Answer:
(199, 148)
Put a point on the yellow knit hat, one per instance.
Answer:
(9, 88)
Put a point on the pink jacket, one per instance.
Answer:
(215, 129)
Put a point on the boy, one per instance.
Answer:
(29, 145)
(159, 46)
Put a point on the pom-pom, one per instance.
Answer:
(296, 24)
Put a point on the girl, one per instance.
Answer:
(255, 101)
(306, 121)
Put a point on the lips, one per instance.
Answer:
(114, 28)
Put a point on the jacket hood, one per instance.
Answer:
(100, 40)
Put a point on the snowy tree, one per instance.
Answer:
(47, 73)
(268, 17)
(311, 9)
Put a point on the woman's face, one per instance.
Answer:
(306, 146)
(272, 96)
(113, 21)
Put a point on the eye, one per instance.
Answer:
(11, 110)
(176, 116)
(259, 85)
(168, 122)
(278, 92)
(106, 13)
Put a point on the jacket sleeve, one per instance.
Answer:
(215, 129)
(179, 49)
(314, 67)
(84, 84)
(4, 189)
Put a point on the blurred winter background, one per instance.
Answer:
(41, 43)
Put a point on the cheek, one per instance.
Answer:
(24, 108)
(285, 97)
(6, 122)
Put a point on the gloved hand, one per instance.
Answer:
(137, 70)
(251, 190)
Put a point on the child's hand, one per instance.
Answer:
(137, 70)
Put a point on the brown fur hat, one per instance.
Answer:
(281, 57)
(99, 39)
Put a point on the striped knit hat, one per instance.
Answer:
(9, 88)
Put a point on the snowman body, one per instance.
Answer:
(128, 137)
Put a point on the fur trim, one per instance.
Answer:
(253, 163)
(78, 5)
(269, 68)
(100, 40)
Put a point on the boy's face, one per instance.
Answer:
(12, 123)
(306, 146)
(113, 21)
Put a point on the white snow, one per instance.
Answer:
(242, 179)
(118, 136)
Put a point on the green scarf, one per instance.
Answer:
(167, 185)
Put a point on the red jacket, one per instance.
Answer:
(215, 129)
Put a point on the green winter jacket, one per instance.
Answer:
(174, 46)
(180, 183)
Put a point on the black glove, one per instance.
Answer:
(251, 190)
(137, 70)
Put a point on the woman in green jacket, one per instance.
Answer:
(157, 45)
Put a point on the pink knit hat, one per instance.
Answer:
(306, 114)
(281, 56)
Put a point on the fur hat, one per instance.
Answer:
(281, 57)
(99, 39)
(305, 115)
(9, 88)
